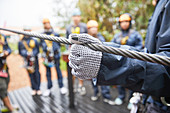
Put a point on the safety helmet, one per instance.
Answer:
(125, 17)
(92, 23)
(46, 20)
(76, 12)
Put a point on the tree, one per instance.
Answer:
(63, 11)
(106, 12)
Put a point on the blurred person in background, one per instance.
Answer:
(52, 57)
(127, 36)
(4, 76)
(77, 27)
(92, 27)
(29, 49)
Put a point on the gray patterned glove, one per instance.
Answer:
(85, 62)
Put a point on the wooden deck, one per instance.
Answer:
(58, 103)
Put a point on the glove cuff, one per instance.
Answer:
(96, 64)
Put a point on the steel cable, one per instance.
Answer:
(164, 60)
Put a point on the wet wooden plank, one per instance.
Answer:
(58, 103)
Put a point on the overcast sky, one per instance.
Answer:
(17, 13)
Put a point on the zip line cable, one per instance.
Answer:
(164, 60)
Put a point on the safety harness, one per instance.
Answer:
(30, 61)
(3, 70)
(49, 59)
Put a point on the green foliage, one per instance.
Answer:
(63, 11)
(106, 12)
(63, 48)
(63, 65)
(13, 46)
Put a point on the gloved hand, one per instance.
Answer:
(85, 62)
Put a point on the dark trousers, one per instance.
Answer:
(122, 92)
(104, 89)
(59, 74)
(4, 87)
(153, 108)
(35, 77)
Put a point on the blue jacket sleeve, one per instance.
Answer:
(7, 48)
(56, 48)
(36, 49)
(67, 31)
(86, 29)
(43, 45)
(22, 50)
(56, 34)
(138, 41)
(101, 38)
(145, 77)
(115, 37)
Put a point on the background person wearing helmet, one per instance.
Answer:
(4, 76)
(29, 49)
(52, 56)
(130, 37)
(92, 27)
(77, 27)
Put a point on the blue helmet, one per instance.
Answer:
(76, 12)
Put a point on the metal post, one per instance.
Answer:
(70, 87)
(70, 80)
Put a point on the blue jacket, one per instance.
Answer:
(145, 77)
(82, 26)
(100, 37)
(5, 48)
(135, 39)
(56, 46)
(23, 51)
